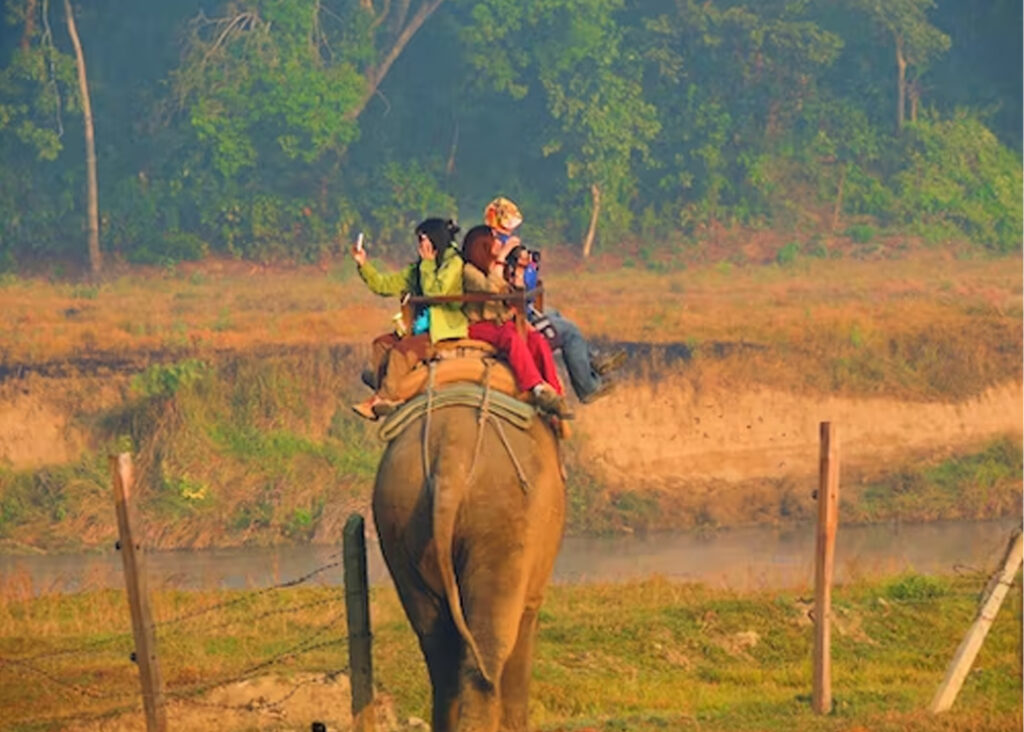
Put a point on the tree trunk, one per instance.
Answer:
(30, 24)
(376, 75)
(838, 207)
(93, 207)
(449, 167)
(901, 82)
(914, 91)
(588, 242)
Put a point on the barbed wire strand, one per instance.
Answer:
(249, 620)
(77, 688)
(249, 596)
(261, 705)
(303, 646)
(87, 646)
(92, 645)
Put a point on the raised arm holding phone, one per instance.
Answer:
(437, 271)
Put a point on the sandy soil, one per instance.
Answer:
(645, 431)
(40, 417)
(264, 703)
(679, 429)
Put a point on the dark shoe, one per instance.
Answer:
(606, 364)
(552, 402)
(369, 377)
(606, 386)
(384, 407)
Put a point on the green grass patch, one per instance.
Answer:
(976, 485)
(636, 657)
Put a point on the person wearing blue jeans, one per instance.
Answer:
(581, 361)
(588, 371)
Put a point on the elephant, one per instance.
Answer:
(469, 529)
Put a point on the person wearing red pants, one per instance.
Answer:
(493, 322)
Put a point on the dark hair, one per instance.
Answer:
(477, 247)
(441, 232)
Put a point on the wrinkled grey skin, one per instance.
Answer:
(471, 559)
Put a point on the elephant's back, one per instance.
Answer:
(503, 475)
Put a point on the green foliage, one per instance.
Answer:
(788, 254)
(983, 483)
(401, 197)
(861, 233)
(273, 129)
(955, 172)
(162, 380)
(916, 587)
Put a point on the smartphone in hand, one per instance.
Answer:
(359, 242)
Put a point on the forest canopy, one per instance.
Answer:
(276, 129)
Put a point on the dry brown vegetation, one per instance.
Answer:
(923, 324)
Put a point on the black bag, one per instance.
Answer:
(546, 328)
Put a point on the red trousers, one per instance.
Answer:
(530, 359)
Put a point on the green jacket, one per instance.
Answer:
(441, 276)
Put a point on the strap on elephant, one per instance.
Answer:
(488, 416)
(426, 424)
(494, 407)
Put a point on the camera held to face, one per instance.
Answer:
(522, 267)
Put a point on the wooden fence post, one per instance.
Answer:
(824, 555)
(971, 644)
(357, 612)
(138, 594)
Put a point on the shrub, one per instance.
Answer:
(164, 380)
(788, 254)
(861, 233)
(916, 587)
(956, 172)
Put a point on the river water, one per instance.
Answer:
(740, 559)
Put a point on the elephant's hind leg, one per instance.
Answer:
(494, 610)
(515, 681)
(443, 649)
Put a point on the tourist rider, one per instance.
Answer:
(588, 371)
(528, 354)
(437, 271)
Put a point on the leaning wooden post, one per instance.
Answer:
(357, 611)
(824, 555)
(138, 594)
(971, 644)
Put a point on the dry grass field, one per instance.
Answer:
(633, 657)
(923, 324)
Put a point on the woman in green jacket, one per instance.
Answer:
(437, 271)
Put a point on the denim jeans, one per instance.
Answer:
(577, 355)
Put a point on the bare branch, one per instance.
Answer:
(241, 22)
(376, 75)
(47, 44)
(382, 16)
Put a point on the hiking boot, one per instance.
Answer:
(552, 402)
(606, 364)
(369, 377)
(606, 386)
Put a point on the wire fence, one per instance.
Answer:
(286, 627)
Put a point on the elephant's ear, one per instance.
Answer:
(447, 496)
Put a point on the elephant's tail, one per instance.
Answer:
(446, 506)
